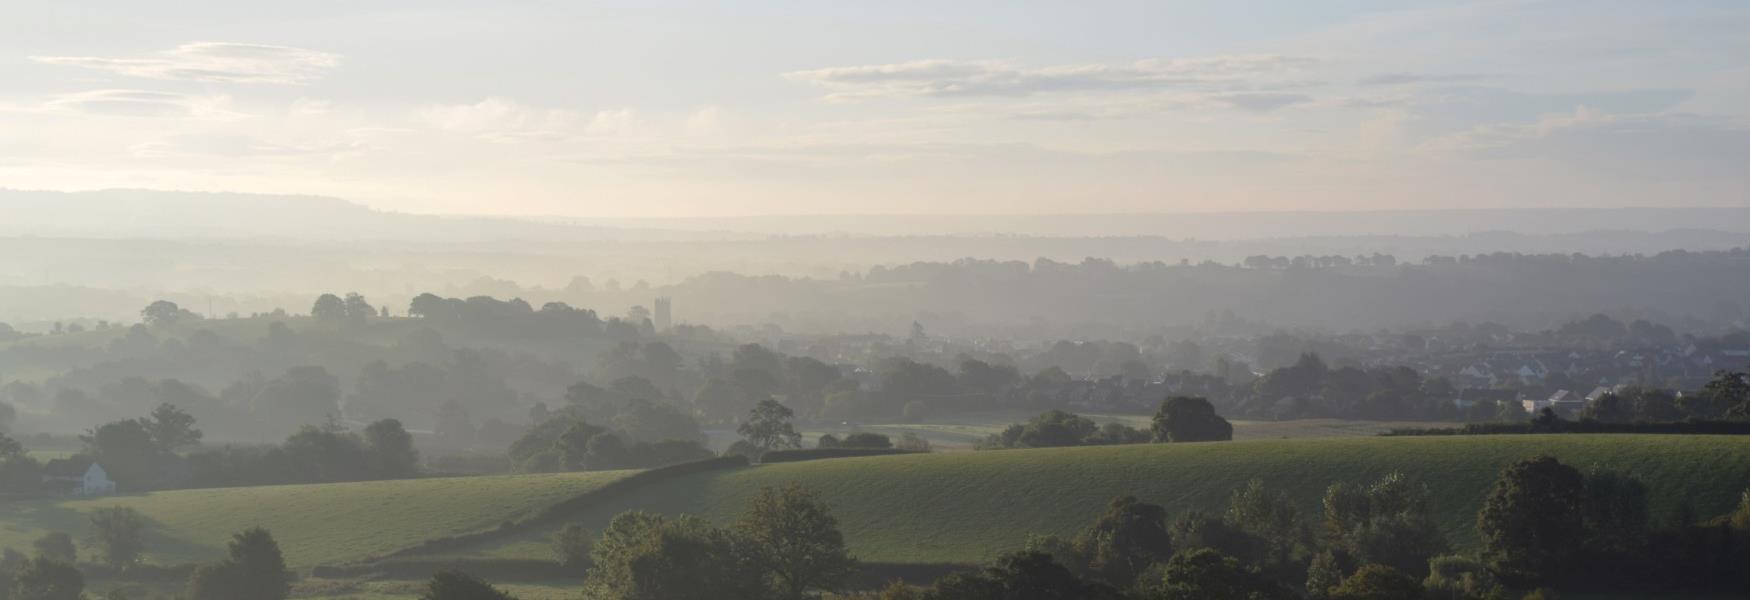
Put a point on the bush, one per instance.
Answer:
(58, 547)
(456, 585)
(571, 546)
(44, 579)
(1203, 573)
(1056, 428)
(1377, 582)
(1461, 578)
(120, 534)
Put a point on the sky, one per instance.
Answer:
(695, 109)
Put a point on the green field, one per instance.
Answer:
(969, 507)
(961, 507)
(315, 524)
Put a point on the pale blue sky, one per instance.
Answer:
(698, 109)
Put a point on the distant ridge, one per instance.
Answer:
(148, 214)
(1227, 225)
(166, 215)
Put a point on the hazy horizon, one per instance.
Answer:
(687, 109)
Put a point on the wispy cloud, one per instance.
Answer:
(949, 78)
(1411, 78)
(141, 103)
(1261, 101)
(237, 146)
(1661, 146)
(214, 62)
(503, 119)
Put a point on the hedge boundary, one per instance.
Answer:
(869, 575)
(784, 456)
(558, 511)
(1582, 426)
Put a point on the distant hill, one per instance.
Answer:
(1227, 225)
(168, 215)
(146, 214)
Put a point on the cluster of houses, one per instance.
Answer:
(1567, 404)
(1681, 367)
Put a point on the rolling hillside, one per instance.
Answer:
(962, 507)
(315, 524)
(968, 507)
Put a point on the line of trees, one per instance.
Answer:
(1179, 419)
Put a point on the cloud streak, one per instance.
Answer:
(141, 103)
(1389, 79)
(950, 78)
(216, 62)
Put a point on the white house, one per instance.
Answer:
(79, 476)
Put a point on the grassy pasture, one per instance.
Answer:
(315, 524)
(960, 507)
(969, 507)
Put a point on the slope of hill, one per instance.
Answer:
(962, 507)
(969, 507)
(315, 524)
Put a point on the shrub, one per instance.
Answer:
(456, 585)
(1377, 582)
(44, 579)
(57, 546)
(571, 546)
(1461, 578)
(120, 535)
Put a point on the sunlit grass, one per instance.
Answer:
(969, 507)
(315, 524)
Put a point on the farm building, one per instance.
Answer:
(79, 476)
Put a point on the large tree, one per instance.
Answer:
(164, 313)
(255, 569)
(796, 540)
(1125, 541)
(1390, 522)
(1190, 419)
(127, 451)
(768, 427)
(1729, 392)
(358, 311)
(1531, 522)
(391, 449)
(329, 308)
(172, 429)
(18, 471)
